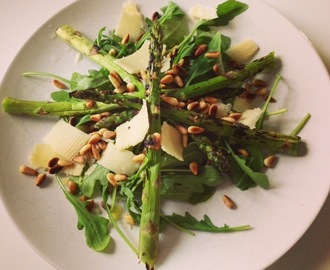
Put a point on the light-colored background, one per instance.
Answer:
(19, 19)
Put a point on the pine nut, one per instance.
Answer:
(95, 117)
(213, 110)
(40, 179)
(167, 79)
(139, 158)
(210, 99)
(181, 129)
(120, 177)
(185, 140)
(192, 106)
(95, 152)
(156, 137)
(27, 170)
(243, 152)
(130, 87)
(193, 167)
(102, 130)
(64, 163)
(125, 39)
(195, 130)
(228, 119)
(89, 104)
(109, 134)
(90, 205)
(113, 52)
(80, 159)
(182, 62)
(200, 50)
(236, 116)
(179, 70)
(111, 179)
(169, 100)
(259, 83)
(94, 139)
(178, 81)
(212, 55)
(58, 84)
(85, 149)
(129, 220)
(262, 91)
(114, 81)
(171, 72)
(102, 145)
(72, 187)
(270, 161)
(228, 202)
(55, 169)
(53, 162)
(216, 69)
(143, 75)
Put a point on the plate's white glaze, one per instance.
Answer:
(279, 216)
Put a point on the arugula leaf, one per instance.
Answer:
(60, 96)
(89, 182)
(259, 178)
(191, 188)
(95, 79)
(189, 222)
(174, 26)
(96, 227)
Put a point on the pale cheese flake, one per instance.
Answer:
(133, 132)
(66, 140)
(118, 160)
(172, 141)
(199, 12)
(250, 117)
(131, 22)
(137, 61)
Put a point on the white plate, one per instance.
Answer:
(279, 216)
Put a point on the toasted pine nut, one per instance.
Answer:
(108, 134)
(210, 99)
(130, 87)
(53, 162)
(236, 116)
(270, 161)
(243, 152)
(58, 84)
(55, 169)
(143, 75)
(111, 179)
(90, 205)
(193, 167)
(185, 139)
(27, 170)
(216, 69)
(170, 100)
(171, 72)
(262, 91)
(195, 130)
(212, 55)
(178, 81)
(157, 138)
(179, 70)
(95, 152)
(139, 158)
(181, 129)
(228, 119)
(259, 83)
(114, 81)
(102, 130)
(129, 220)
(94, 139)
(213, 110)
(89, 104)
(64, 163)
(125, 39)
(228, 202)
(200, 49)
(167, 79)
(120, 177)
(102, 145)
(80, 159)
(72, 187)
(40, 179)
(192, 105)
(85, 149)
(95, 117)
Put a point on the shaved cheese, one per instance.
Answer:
(223, 110)
(243, 51)
(43, 153)
(250, 117)
(172, 141)
(118, 160)
(133, 132)
(131, 22)
(66, 140)
(199, 12)
(137, 61)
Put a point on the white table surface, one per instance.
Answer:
(19, 19)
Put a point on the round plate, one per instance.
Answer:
(279, 216)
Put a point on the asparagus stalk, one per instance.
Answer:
(81, 43)
(115, 119)
(220, 82)
(274, 141)
(26, 107)
(150, 215)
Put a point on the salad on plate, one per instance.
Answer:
(172, 113)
